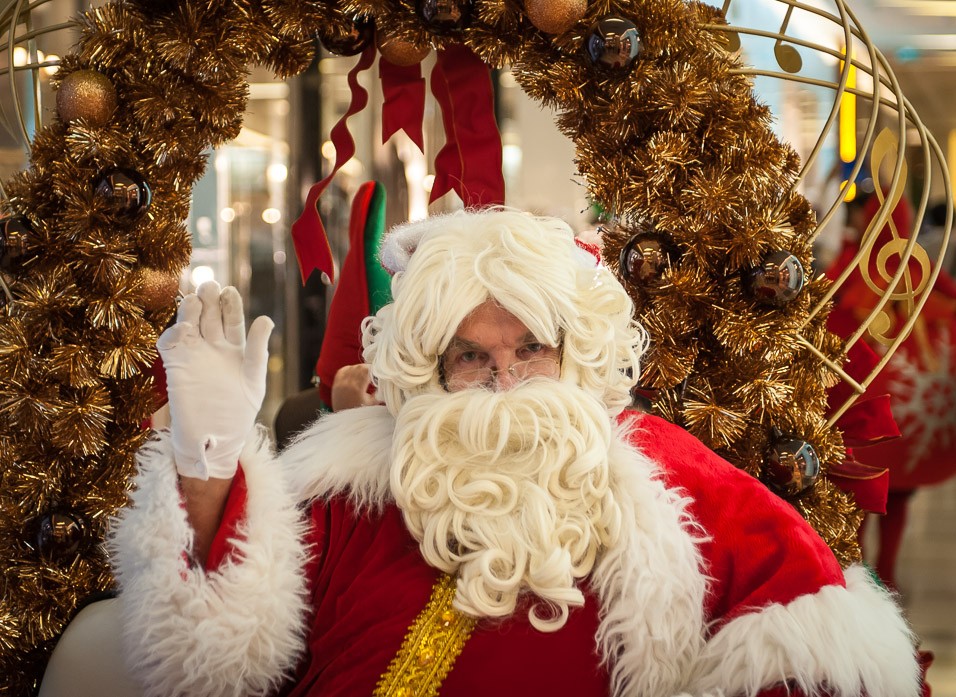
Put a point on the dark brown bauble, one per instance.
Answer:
(125, 190)
(359, 36)
(59, 536)
(555, 16)
(792, 466)
(13, 233)
(644, 258)
(445, 17)
(777, 281)
(87, 95)
(613, 43)
(400, 52)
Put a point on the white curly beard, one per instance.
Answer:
(510, 491)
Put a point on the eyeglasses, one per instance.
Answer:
(520, 370)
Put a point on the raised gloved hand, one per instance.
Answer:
(216, 380)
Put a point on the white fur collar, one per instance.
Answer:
(653, 630)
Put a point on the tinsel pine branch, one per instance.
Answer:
(678, 142)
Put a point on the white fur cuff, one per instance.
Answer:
(845, 641)
(235, 631)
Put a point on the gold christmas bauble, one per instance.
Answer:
(555, 16)
(86, 94)
(156, 290)
(400, 52)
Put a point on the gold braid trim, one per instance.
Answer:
(433, 642)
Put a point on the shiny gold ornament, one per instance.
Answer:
(359, 34)
(398, 51)
(792, 466)
(445, 17)
(555, 16)
(13, 232)
(59, 536)
(156, 290)
(125, 191)
(778, 280)
(613, 43)
(644, 258)
(88, 95)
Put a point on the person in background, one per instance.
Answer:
(920, 377)
(500, 524)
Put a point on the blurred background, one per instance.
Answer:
(254, 188)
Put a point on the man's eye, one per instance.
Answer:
(469, 357)
(531, 350)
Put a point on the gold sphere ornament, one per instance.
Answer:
(792, 466)
(555, 16)
(156, 290)
(88, 95)
(400, 52)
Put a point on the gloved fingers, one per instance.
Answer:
(189, 310)
(179, 333)
(210, 321)
(256, 359)
(233, 319)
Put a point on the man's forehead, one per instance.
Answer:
(463, 342)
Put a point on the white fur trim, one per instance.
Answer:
(650, 585)
(402, 241)
(322, 462)
(650, 632)
(236, 631)
(846, 641)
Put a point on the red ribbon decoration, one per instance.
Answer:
(308, 234)
(470, 161)
(867, 422)
(403, 105)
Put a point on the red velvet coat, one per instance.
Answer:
(774, 608)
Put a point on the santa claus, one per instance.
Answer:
(501, 524)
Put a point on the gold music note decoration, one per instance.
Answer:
(788, 58)
(896, 282)
(731, 37)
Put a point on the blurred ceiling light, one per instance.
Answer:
(277, 172)
(227, 214)
(271, 215)
(201, 274)
(53, 64)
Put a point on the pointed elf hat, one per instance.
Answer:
(363, 288)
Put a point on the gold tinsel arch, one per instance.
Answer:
(677, 147)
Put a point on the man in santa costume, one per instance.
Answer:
(499, 525)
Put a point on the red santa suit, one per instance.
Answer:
(716, 587)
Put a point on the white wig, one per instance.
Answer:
(445, 266)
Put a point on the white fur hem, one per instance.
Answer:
(321, 462)
(846, 641)
(236, 631)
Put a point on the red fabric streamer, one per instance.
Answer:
(403, 106)
(308, 234)
(342, 344)
(470, 161)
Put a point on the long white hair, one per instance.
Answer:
(448, 265)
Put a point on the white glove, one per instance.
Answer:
(215, 380)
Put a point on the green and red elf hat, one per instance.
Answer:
(364, 286)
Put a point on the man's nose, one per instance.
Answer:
(504, 378)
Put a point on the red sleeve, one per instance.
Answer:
(232, 516)
(758, 550)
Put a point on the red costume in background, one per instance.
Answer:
(920, 379)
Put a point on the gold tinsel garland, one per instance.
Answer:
(677, 143)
